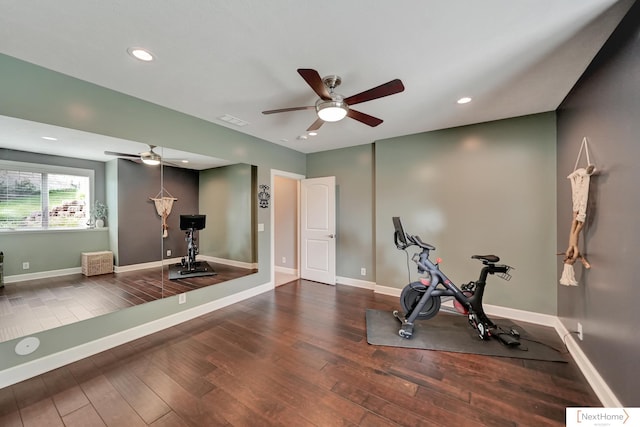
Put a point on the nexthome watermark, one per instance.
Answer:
(602, 417)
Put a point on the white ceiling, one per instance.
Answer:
(240, 57)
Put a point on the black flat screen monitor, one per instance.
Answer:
(196, 222)
(400, 236)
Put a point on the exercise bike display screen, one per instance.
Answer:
(400, 235)
(196, 222)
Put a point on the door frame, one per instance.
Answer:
(298, 178)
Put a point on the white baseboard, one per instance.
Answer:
(134, 267)
(356, 283)
(233, 263)
(386, 290)
(597, 383)
(122, 268)
(42, 275)
(36, 367)
(286, 270)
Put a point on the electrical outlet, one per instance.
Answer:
(580, 335)
(363, 271)
(25, 265)
(182, 298)
(168, 252)
(284, 260)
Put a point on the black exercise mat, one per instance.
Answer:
(201, 269)
(450, 332)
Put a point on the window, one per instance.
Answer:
(36, 196)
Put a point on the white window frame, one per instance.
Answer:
(51, 169)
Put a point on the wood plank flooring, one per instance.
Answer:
(295, 356)
(37, 305)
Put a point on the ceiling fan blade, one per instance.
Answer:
(364, 118)
(316, 125)
(129, 156)
(389, 88)
(284, 110)
(314, 80)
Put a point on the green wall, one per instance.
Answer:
(228, 232)
(487, 188)
(355, 233)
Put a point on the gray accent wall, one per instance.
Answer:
(604, 106)
(139, 225)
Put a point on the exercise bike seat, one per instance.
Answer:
(487, 258)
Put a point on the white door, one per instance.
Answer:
(318, 229)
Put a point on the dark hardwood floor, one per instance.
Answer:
(295, 356)
(37, 305)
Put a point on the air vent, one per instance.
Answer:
(233, 120)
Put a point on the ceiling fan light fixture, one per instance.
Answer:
(151, 159)
(331, 110)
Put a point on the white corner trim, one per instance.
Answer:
(39, 366)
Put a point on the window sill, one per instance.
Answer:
(53, 230)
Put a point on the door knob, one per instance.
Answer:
(331, 236)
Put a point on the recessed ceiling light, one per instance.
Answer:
(312, 133)
(49, 138)
(301, 137)
(464, 100)
(140, 53)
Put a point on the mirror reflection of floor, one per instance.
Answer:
(37, 305)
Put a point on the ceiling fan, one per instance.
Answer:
(332, 107)
(147, 157)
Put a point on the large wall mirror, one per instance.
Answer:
(48, 221)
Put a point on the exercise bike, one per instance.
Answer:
(422, 299)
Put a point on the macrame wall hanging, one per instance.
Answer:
(579, 179)
(163, 207)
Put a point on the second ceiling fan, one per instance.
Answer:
(332, 107)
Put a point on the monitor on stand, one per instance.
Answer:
(399, 236)
(192, 222)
